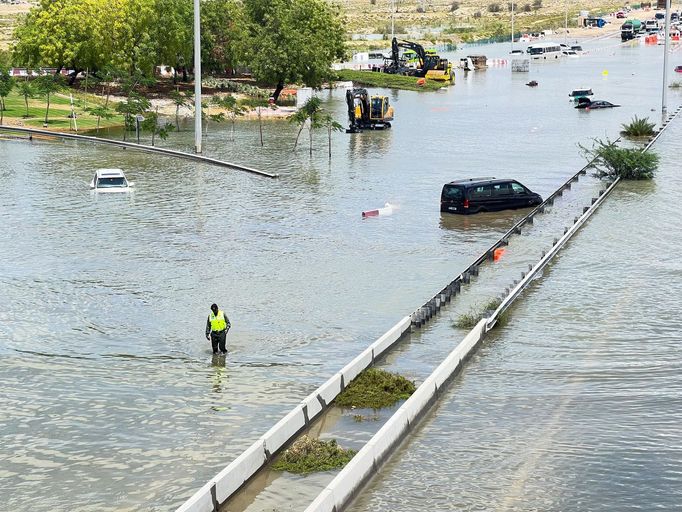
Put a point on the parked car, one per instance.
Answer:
(586, 103)
(620, 14)
(110, 180)
(477, 195)
(659, 16)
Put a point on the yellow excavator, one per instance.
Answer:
(367, 112)
(428, 64)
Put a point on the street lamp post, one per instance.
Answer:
(197, 77)
(666, 46)
(512, 25)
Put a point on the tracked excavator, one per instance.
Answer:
(428, 65)
(367, 112)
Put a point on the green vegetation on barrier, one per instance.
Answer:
(477, 313)
(375, 389)
(638, 128)
(388, 81)
(308, 455)
(610, 162)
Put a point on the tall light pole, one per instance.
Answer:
(197, 77)
(664, 99)
(566, 23)
(512, 25)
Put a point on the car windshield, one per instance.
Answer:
(111, 182)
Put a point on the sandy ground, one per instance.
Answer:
(167, 108)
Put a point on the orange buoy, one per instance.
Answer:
(421, 82)
(498, 253)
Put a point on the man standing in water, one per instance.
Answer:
(217, 326)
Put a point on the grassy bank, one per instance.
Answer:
(371, 79)
(60, 107)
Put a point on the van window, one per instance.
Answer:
(480, 192)
(453, 193)
(502, 189)
(518, 189)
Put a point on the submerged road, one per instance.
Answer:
(115, 403)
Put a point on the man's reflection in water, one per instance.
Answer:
(219, 376)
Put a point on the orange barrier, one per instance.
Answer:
(498, 253)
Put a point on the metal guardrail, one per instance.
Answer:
(139, 147)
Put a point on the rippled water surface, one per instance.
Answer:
(110, 397)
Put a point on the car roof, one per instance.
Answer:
(110, 173)
(472, 182)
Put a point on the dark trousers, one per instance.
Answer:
(218, 340)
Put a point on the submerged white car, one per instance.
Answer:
(110, 180)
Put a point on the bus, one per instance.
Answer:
(545, 51)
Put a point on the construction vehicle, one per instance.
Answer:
(416, 61)
(367, 112)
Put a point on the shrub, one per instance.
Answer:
(638, 128)
(477, 14)
(610, 162)
(454, 6)
(494, 7)
(537, 4)
(477, 313)
(308, 455)
(420, 9)
(375, 389)
(527, 8)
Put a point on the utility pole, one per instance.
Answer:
(666, 47)
(512, 25)
(566, 23)
(197, 77)
(392, 19)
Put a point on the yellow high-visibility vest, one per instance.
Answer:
(218, 322)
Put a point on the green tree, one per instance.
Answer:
(293, 41)
(259, 104)
(152, 124)
(47, 85)
(100, 111)
(61, 33)
(27, 90)
(233, 108)
(309, 114)
(7, 83)
(180, 100)
(133, 106)
(223, 35)
(173, 32)
(327, 120)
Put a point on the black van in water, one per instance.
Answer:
(485, 195)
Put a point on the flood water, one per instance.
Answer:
(112, 401)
